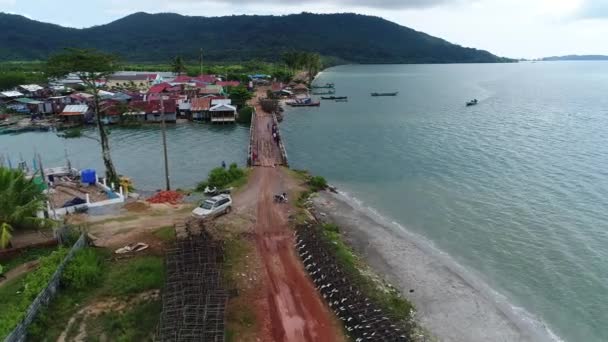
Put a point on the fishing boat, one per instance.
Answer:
(331, 91)
(334, 97)
(307, 102)
(472, 102)
(326, 86)
(385, 94)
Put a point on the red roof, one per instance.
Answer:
(209, 91)
(206, 78)
(201, 103)
(153, 106)
(159, 88)
(228, 83)
(182, 79)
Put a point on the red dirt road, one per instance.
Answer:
(296, 311)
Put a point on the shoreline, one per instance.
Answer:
(450, 303)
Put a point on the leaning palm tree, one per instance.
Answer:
(20, 200)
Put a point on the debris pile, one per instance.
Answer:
(171, 197)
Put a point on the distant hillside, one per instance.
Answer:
(577, 58)
(157, 37)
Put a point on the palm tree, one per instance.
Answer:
(20, 201)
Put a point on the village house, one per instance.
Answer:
(200, 108)
(31, 90)
(223, 113)
(155, 109)
(77, 114)
(137, 81)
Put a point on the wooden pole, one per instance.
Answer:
(163, 129)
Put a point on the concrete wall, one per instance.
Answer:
(44, 297)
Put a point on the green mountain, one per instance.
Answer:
(143, 37)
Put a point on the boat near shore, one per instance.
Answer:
(334, 97)
(385, 94)
(306, 102)
(326, 86)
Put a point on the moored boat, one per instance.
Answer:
(334, 97)
(326, 86)
(385, 94)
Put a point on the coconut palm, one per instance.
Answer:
(20, 201)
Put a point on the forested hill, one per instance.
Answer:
(157, 37)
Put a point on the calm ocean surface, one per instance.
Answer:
(515, 188)
(194, 149)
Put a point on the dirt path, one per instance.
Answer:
(18, 271)
(296, 311)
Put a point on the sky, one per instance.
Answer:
(510, 28)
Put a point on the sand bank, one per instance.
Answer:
(451, 307)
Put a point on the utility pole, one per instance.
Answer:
(201, 61)
(163, 129)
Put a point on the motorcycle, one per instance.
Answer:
(280, 198)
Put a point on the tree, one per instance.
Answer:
(312, 63)
(240, 95)
(177, 65)
(20, 201)
(90, 66)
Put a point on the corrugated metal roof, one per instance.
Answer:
(75, 110)
(31, 87)
(201, 104)
(222, 108)
(11, 93)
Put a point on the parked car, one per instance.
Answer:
(214, 206)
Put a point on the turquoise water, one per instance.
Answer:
(194, 149)
(515, 188)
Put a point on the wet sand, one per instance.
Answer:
(450, 307)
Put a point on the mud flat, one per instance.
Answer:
(452, 305)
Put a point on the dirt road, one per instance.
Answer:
(296, 311)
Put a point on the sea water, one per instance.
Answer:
(514, 189)
(193, 149)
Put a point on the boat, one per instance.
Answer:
(326, 86)
(309, 104)
(334, 97)
(385, 94)
(472, 102)
(331, 91)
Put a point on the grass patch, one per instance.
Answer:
(28, 255)
(166, 233)
(387, 297)
(240, 317)
(235, 251)
(131, 276)
(120, 278)
(135, 324)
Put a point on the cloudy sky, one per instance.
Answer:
(512, 28)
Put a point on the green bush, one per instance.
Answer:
(134, 276)
(245, 114)
(83, 271)
(16, 297)
(317, 183)
(221, 178)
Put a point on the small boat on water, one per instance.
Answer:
(307, 102)
(334, 97)
(385, 94)
(472, 102)
(331, 91)
(326, 86)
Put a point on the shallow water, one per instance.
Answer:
(194, 149)
(515, 188)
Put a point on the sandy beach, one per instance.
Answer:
(450, 307)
